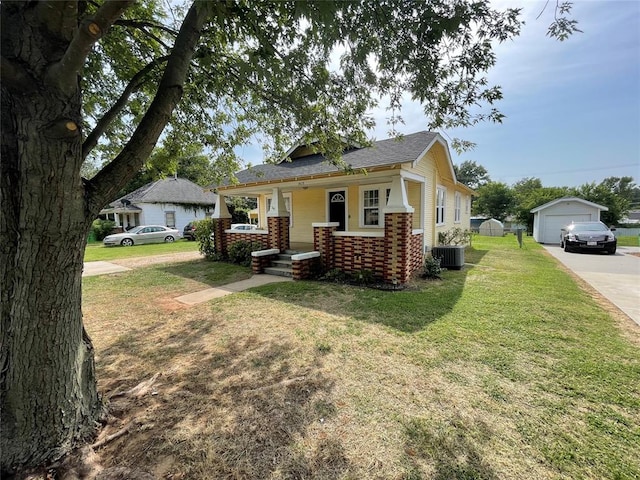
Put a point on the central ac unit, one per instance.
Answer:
(451, 256)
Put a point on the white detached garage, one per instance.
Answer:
(548, 219)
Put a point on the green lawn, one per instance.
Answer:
(629, 241)
(505, 369)
(97, 251)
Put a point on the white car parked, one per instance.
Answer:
(243, 226)
(143, 234)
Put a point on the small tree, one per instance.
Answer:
(496, 200)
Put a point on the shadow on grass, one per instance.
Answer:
(224, 408)
(409, 310)
(449, 447)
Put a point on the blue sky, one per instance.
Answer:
(572, 108)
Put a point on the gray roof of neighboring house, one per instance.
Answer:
(384, 152)
(169, 190)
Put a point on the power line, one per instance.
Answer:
(570, 171)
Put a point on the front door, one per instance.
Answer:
(338, 208)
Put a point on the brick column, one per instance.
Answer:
(397, 252)
(323, 242)
(219, 237)
(278, 232)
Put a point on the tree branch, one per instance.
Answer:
(141, 24)
(102, 187)
(64, 73)
(134, 84)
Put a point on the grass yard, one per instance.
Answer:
(629, 241)
(97, 251)
(506, 369)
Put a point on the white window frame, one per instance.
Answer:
(441, 207)
(457, 208)
(168, 213)
(383, 190)
(288, 202)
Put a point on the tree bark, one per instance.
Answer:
(48, 395)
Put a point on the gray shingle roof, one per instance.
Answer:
(381, 153)
(169, 190)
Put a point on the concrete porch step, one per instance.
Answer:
(280, 271)
(282, 263)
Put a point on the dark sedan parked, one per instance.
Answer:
(189, 231)
(588, 236)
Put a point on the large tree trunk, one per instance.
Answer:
(48, 395)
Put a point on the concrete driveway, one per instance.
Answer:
(616, 277)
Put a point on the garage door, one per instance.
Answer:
(554, 223)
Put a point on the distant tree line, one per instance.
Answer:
(500, 201)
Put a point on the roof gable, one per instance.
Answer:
(568, 199)
(407, 149)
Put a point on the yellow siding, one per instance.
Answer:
(413, 196)
(309, 206)
(353, 210)
(426, 168)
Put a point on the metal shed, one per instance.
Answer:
(548, 219)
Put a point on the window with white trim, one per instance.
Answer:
(457, 208)
(170, 219)
(371, 205)
(441, 195)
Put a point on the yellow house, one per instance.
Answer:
(383, 215)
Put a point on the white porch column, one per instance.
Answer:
(221, 210)
(398, 202)
(278, 207)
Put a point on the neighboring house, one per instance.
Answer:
(632, 217)
(172, 202)
(381, 216)
(548, 219)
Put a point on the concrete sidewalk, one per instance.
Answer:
(217, 292)
(101, 268)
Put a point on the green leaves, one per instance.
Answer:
(281, 71)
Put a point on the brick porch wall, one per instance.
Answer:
(243, 236)
(258, 264)
(303, 269)
(353, 254)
